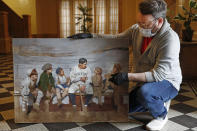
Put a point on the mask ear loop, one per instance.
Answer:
(154, 26)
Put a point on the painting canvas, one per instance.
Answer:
(65, 80)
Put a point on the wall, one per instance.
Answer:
(22, 7)
(47, 16)
(127, 13)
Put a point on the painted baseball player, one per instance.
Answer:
(80, 76)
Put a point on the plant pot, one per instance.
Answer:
(187, 35)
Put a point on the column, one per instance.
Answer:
(27, 26)
(5, 41)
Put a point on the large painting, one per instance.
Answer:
(63, 80)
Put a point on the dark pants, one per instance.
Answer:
(151, 97)
(88, 97)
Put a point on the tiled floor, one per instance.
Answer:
(182, 114)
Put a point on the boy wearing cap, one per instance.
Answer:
(47, 83)
(30, 92)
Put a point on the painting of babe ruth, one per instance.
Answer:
(63, 80)
(80, 76)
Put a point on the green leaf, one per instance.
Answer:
(77, 23)
(184, 8)
(180, 17)
(88, 19)
(192, 3)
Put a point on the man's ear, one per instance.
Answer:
(160, 20)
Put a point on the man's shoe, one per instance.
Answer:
(167, 105)
(157, 124)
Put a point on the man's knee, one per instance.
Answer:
(144, 91)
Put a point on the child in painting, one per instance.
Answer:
(61, 85)
(97, 82)
(116, 93)
(30, 92)
(47, 83)
(110, 85)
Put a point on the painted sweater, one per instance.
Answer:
(46, 82)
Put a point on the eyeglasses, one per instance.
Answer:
(146, 26)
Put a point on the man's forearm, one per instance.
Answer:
(137, 77)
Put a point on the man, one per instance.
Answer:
(80, 76)
(156, 68)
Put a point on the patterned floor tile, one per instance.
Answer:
(3, 90)
(5, 94)
(189, 94)
(7, 106)
(174, 113)
(14, 125)
(35, 127)
(8, 85)
(126, 126)
(173, 102)
(10, 88)
(173, 126)
(194, 129)
(1, 117)
(83, 123)
(4, 77)
(185, 120)
(182, 98)
(183, 91)
(8, 114)
(103, 126)
(7, 82)
(76, 129)
(4, 126)
(189, 130)
(183, 108)
(193, 114)
(59, 126)
(140, 128)
(191, 103)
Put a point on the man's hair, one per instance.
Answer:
(82, 60)
(157, 8)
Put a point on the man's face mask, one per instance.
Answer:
(148, 32)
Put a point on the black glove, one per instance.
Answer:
(119, 78)
(81, 36)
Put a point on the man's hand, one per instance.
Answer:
(83, 79)
(119, 78)
(81, 36)
(82, 88)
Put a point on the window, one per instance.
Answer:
(105, 16)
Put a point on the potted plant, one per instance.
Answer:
(175, 24)
(188, 17)
(84, 19)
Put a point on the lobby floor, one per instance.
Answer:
(182, 114)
